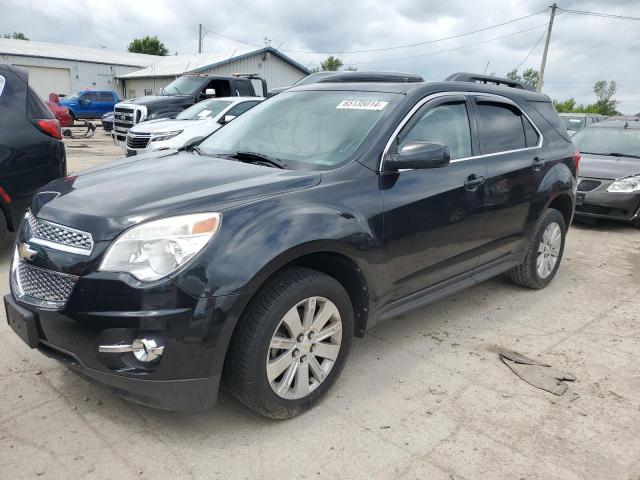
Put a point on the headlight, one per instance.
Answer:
(165, 136)
(625, 185)
(155, 249)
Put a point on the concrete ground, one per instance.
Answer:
(423, 396)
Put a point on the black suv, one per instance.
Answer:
(31, 150)
(260, 253)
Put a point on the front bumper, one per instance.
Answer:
(598, 203)
(195, 333)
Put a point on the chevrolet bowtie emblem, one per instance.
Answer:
(25, 252)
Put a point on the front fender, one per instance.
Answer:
(256, 240)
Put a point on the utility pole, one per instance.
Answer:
(200, 38)
(546, 46)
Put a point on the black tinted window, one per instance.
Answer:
(548, 111)
(105, 97)
(530, 133)
(93, 96)
(446, 124)
(500, 128)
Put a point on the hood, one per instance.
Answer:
(108, 199)
(168, 125)
(604, 166)
(164, 100)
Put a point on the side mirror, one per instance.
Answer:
(210, 92)
(226, 119)
(419, 155)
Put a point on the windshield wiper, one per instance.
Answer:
(253, 157)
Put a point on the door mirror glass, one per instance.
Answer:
(226, 119)
(419, 155)
(210, 92)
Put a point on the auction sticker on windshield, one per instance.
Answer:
(362, 104)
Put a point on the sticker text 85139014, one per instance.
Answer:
(362, 105)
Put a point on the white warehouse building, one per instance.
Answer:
(56, 68)
(61, 69)
(277, 69)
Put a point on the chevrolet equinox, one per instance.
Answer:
(257, 254)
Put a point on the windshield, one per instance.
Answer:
(182, 86)
(72, 96)
(608, 140)
(206, 109)
(573, 123)
(316, 130)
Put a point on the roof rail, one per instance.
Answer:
(487, 79)
(378, 77)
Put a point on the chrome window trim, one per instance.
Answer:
(2, 82)
(428, 98)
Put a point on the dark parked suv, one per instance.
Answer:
(31, 150)
(260, 253)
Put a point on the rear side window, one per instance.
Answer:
(243, 88)
(530, 133)
(500, 127)
(547, 110)
(36, 109)
(2, 82)
(105, 97)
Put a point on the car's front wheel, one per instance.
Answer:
(291, 343)
(544, 253)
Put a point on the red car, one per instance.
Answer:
(61, 113)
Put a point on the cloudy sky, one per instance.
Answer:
(583, 49)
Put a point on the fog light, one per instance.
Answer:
(144, 349)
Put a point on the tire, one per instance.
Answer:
(528, 274)
(252, 357)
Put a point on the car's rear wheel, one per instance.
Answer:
(291, 343)
(544, 253)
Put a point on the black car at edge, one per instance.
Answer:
(31, 149)
(259, 253)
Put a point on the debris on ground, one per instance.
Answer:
(536, 373)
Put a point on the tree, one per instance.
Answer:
(331, 64)
(16, 36)
(530, 76)
(149, 45)
(604, 105)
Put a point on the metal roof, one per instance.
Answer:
(27, 48)
(171, 66)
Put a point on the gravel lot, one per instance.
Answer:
(423, 396)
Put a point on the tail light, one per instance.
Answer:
(51, 127)
(4, 195)
(576, 159)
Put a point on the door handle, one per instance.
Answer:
(537, 164)
(473, 182)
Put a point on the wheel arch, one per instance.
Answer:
(564, 204)
(332, 260)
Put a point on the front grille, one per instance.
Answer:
(588, 185)
(60, 235)
(597, 209)
(137, 140)
(123, 119)
(51, 288)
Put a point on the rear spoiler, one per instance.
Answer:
(487, 79)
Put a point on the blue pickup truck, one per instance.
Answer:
(90, 103)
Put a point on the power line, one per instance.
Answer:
(600, 14)
(428, 42)
(531, 51)
(448, 49)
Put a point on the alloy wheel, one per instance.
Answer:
(549, 250)
(304, 348)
